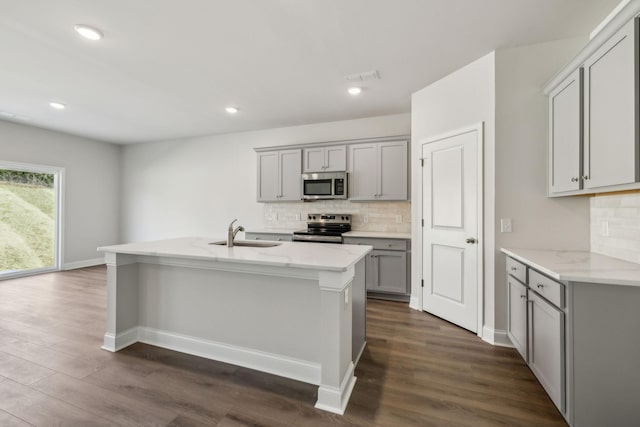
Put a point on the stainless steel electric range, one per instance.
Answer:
(324, 228)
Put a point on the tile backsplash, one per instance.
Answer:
(373, 216)
(615, 226)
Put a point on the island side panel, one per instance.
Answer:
(122, 301)
(606, 353)
(359, 329)
(266, 322)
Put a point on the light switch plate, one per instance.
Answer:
(505, 225)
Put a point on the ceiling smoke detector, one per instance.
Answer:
(363, 77)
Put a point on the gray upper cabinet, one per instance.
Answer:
(325, 159)
(279, 175)
(378, 171)
(593, 118)
(611, 146)
(565, 135)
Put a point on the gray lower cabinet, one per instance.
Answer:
(581, 341)
(517, 316)
(278, 237)
(387, 267)
(536, 326)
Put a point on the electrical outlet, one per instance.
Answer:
(398, 219)
(505, 225)
(365, 219)
(605, 228)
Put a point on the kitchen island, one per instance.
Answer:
(296, 310)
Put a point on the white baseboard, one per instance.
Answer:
(118, 342)
(82, 264)
(496, 337)
(334, 399)
(296, 369)
(414, 303)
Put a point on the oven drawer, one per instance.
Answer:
(381, 244)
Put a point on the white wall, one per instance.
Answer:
(196, 186)
(503, 90)
(92, 184)
(521, 161)
(462, 99)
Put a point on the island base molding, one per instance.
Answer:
(299, 370)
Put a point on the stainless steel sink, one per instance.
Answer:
(249, 243)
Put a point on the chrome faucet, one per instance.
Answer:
(232, 233)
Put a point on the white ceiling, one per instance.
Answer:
(166, 68)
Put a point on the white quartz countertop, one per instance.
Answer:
(312, 256)
(378, 235)
(579, 266)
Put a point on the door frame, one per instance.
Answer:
(58, 185)
(479, 129)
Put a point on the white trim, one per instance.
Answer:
(415, 301)
(333, 399)
(123, 339)
(599, 36)
(24, 273)
(497, 337)
(357, 359)
(83, 263)
(296, 369)
(479, 129)
(609, 18)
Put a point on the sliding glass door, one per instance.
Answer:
(30, 219)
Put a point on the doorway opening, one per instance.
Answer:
(30, 219)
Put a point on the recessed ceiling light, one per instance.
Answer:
(57, 105)
(231, 110)
(354, 90)
(88, 32)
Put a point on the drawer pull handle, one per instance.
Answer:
(514, 268)
(540, 286)
(523, 296)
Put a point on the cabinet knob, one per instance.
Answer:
(523, 296)
(575, 179)
(585, 177)
(539, 286)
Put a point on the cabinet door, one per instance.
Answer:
(363, 171)
(610, 104)
(565, 135)
(335, 158)
(268, 176)
(546, 348)
(392, 173)
(290, 175)
(390, 271)
(313, 159)
(517, 316)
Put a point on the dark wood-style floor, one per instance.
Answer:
(417, 370)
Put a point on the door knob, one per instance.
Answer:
(471, 240)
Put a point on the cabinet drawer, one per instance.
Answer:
(382, 244)
(517, 270)
(548, 288)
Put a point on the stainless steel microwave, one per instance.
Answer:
(324, 185)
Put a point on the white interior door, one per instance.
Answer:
(451, 201)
